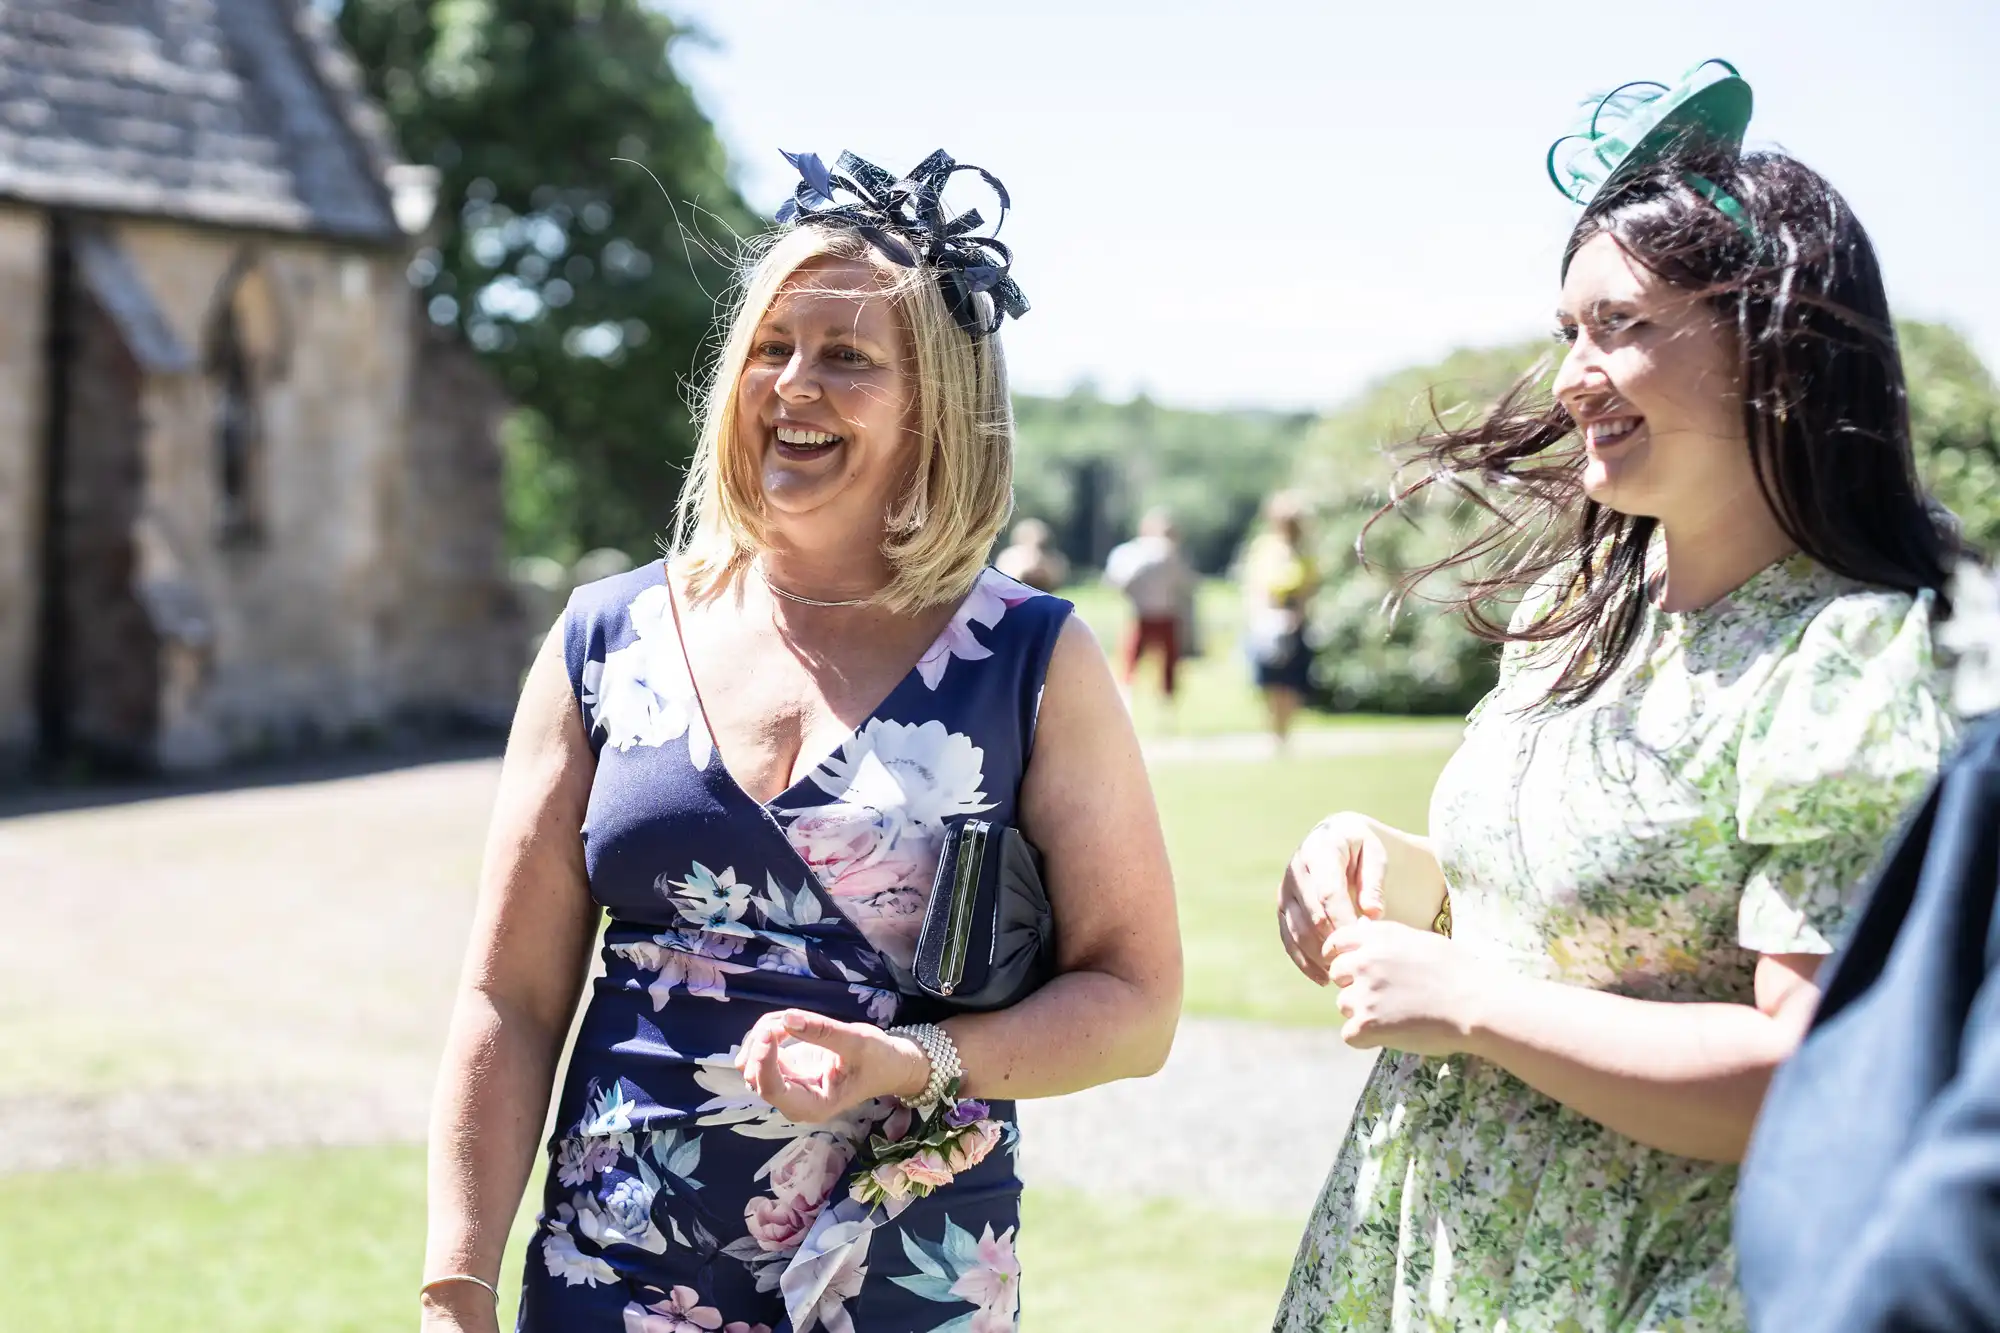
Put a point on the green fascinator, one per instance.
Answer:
(1636, 125)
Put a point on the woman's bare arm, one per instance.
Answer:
(524, 970)
(1087, 805)
(1685, 1078)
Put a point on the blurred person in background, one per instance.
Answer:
(1870, 1200)
(1279, 579)
(1717, 695)
(1032, 557)
(1158, 584)
(748, 756)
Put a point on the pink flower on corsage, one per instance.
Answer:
(928, 1169)
(910, 1155)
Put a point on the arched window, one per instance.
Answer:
(245, 353)
(237, 437)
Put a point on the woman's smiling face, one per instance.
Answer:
(1653, 381)
(826, 401)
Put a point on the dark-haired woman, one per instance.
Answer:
(1716, 694)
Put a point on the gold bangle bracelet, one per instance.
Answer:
(425, 1290)
(1441, 923)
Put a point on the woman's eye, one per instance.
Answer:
(773, 351)
(849, 356)
(1564, 334)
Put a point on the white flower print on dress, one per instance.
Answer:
(642, 694)
(695, 960)
(993, 595)
(711, 901)
(579, 1161)
(564, 1260)
(623, 1215)
(875, 846)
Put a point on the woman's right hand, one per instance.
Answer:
(1348, 867)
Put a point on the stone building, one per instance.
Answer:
(248, 498)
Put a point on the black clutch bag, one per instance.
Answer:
(988, 937)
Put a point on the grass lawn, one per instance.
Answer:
(1231, 827)
(333, 1240)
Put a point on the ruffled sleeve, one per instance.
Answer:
(1848, 732)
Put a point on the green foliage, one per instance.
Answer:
(1089, 468)
(1423, 660)
(573, 275)
(1955, 418)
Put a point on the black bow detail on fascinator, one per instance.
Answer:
(905, 220)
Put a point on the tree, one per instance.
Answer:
(581, 281)
(1090, 468)
(1955, 419)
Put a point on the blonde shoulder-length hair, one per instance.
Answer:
(961, 489)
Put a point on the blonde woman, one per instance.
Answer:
(748, 756)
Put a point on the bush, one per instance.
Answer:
(1421, 660)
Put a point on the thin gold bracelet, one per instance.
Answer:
(425, 1290)
(1441, 923)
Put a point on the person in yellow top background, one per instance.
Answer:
(1279, 579)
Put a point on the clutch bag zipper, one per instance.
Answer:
(964, 894)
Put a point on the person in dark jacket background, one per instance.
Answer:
(1870, 1199)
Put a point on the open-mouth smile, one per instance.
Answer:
(799, 443)
(1606, 432)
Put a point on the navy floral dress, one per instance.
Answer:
(676, 1201)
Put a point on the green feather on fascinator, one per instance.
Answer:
(1637, 124)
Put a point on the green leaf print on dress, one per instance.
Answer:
(1724, 795)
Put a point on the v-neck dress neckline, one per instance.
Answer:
(778, 801)
(701, 705)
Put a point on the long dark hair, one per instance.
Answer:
(1823, 405)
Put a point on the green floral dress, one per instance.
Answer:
(1721, 797)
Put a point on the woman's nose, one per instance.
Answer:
(796, 383)
(1580, 376)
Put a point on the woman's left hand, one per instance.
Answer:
(813, 1068)
(1405, 988)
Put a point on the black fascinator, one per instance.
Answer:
(904, 218)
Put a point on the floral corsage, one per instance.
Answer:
(913, 1154)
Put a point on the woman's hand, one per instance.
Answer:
(1349, 867)
(1322, 887)
(813, 1068)
(1407, 989)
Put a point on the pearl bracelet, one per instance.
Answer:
(942, 1052)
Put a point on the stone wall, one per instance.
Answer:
(368, 586)
(454, 633)
(361, 582)
(23, 295)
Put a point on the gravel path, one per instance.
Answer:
(236, 970)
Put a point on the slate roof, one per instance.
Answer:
(243, 113)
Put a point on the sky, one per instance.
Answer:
(1271, 202)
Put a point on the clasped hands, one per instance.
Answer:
(812, 1068)
(1354, 910)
